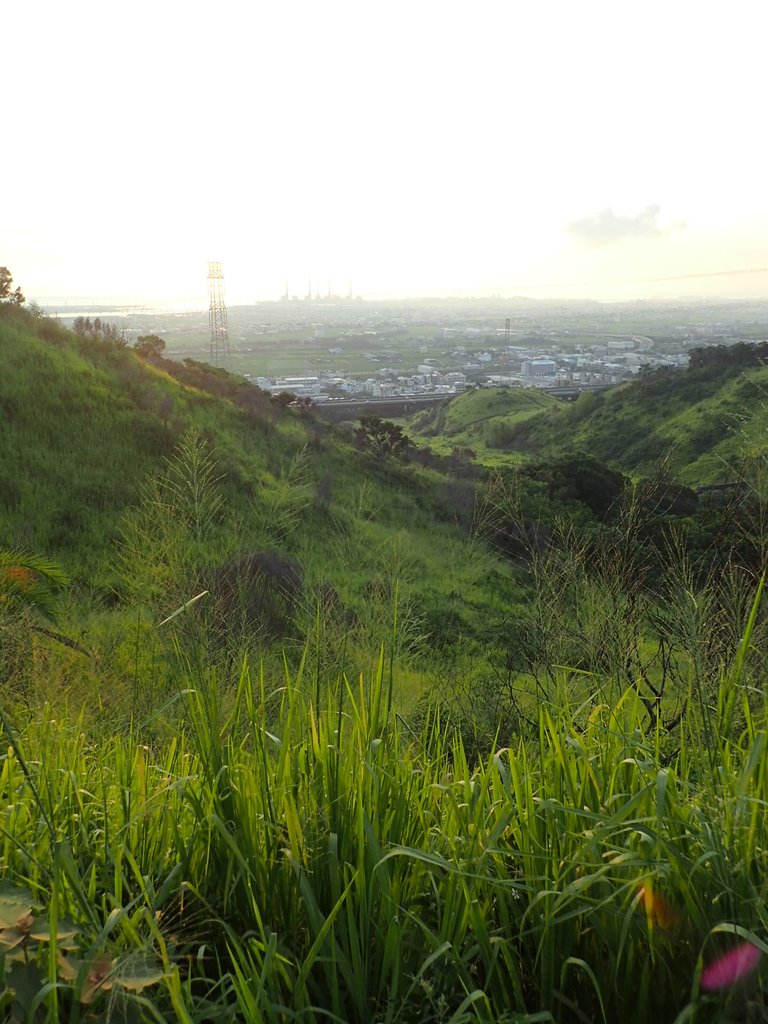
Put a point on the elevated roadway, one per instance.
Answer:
(338, 409)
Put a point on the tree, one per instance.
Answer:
(380, 437)
(303, 402)
(149, 346)
(99, 330)
(6, 295)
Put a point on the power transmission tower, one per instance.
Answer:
(217, 316)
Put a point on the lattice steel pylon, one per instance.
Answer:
(217, 316)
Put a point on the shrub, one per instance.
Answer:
(254, 593)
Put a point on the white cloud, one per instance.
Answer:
(606, 227)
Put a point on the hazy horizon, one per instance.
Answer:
(565, 151)
(200, 302)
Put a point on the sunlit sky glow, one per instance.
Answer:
(413, 147)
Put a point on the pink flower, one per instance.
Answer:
(730, 967)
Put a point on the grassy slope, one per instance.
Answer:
(73, 445)
(706, 423)
(478, 418)
(84, 424)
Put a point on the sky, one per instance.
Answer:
(401, 148)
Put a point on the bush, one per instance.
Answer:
(581, 477)
(255, 593)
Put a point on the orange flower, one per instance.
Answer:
(658, 912)
(22, 578)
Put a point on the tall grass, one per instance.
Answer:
(294, 854)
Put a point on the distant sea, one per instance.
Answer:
(69, 308)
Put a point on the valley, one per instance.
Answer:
(453, 718)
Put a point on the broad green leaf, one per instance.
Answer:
(14, 905)
(139, 978)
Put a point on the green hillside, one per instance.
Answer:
(702, 422)
(481, 420)
(88, 426)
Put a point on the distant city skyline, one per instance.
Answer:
(670, 288)
(428, 149)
